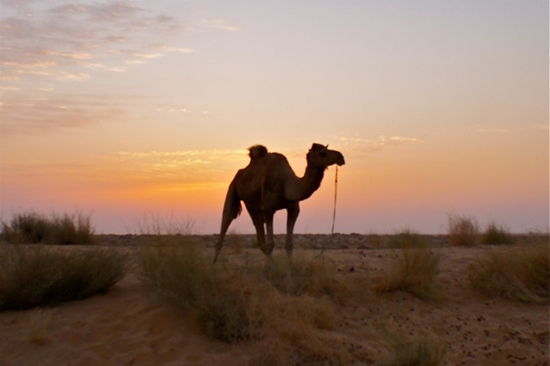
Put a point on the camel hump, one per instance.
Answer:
(257, 151)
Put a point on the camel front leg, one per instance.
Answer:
(269, 227)
(260, 233)
(292, 216)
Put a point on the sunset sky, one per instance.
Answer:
(131, 109)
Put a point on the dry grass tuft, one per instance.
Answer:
(414, 270)
(284, 306)
(463, 231)
(32, 276)
(37, 324)
(303, 276)
(522, 274)
(407, 239)
(420, 351)
(31, 227)
(496, 235)
(178, 271)
(152, 223)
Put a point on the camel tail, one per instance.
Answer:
(232, 206)
(257, 151)
(231, 209)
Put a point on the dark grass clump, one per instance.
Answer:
(282, 306)
(32, 228)
(422, 351)
(496, 235)
(184, 276)
(463, 231)
(414, 269)
(302, 276)
(32, 276)
(522, 274)
(407, 239)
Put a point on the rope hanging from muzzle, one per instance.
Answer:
(335, 197)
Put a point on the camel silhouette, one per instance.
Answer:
(269, 184)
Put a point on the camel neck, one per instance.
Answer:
(311, 181)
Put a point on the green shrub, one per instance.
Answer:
(33, 276)
(522, 274)
(496, 235)
(463, 231)
(31, 228)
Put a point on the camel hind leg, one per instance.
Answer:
(292, 216)
(231, 209)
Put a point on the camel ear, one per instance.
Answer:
(316, 147)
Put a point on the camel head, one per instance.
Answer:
(320, 156)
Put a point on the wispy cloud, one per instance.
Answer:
(540, 126)
(491, 130)
(202, 156)
(218, 23)
(46, 42)
(361, 144)
(45, 46)
(196, 165)
(39, 115)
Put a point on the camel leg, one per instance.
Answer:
(258, 221)
(226, 221)
(231, 209)
(292, 215)
(269, 226)
(260, 237)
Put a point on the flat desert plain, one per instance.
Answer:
(129, 325)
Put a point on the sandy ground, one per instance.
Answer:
(127, 326)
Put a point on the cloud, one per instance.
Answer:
(203, 156)
(361, 144)
(45, 46)
(40, 115)
(540, 126)
(38, 41)
(196, 165)
(218, 23)
(491, 130)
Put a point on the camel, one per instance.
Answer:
(269, 184)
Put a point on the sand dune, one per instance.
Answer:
(127, 326)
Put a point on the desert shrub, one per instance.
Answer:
(183, 275)
(413, 270)
(374, 240)
(33, 276)
(522, 274)
(463, 231)
(495, 235)
(152, 223)
(239, 303)
(27, 227)
(31, 227)
(421, 351)
(407, 239)
(37, 324)
(302, 276)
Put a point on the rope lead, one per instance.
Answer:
(335, 197)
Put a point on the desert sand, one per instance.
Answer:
(128, 325)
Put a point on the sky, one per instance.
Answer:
(141, 112)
